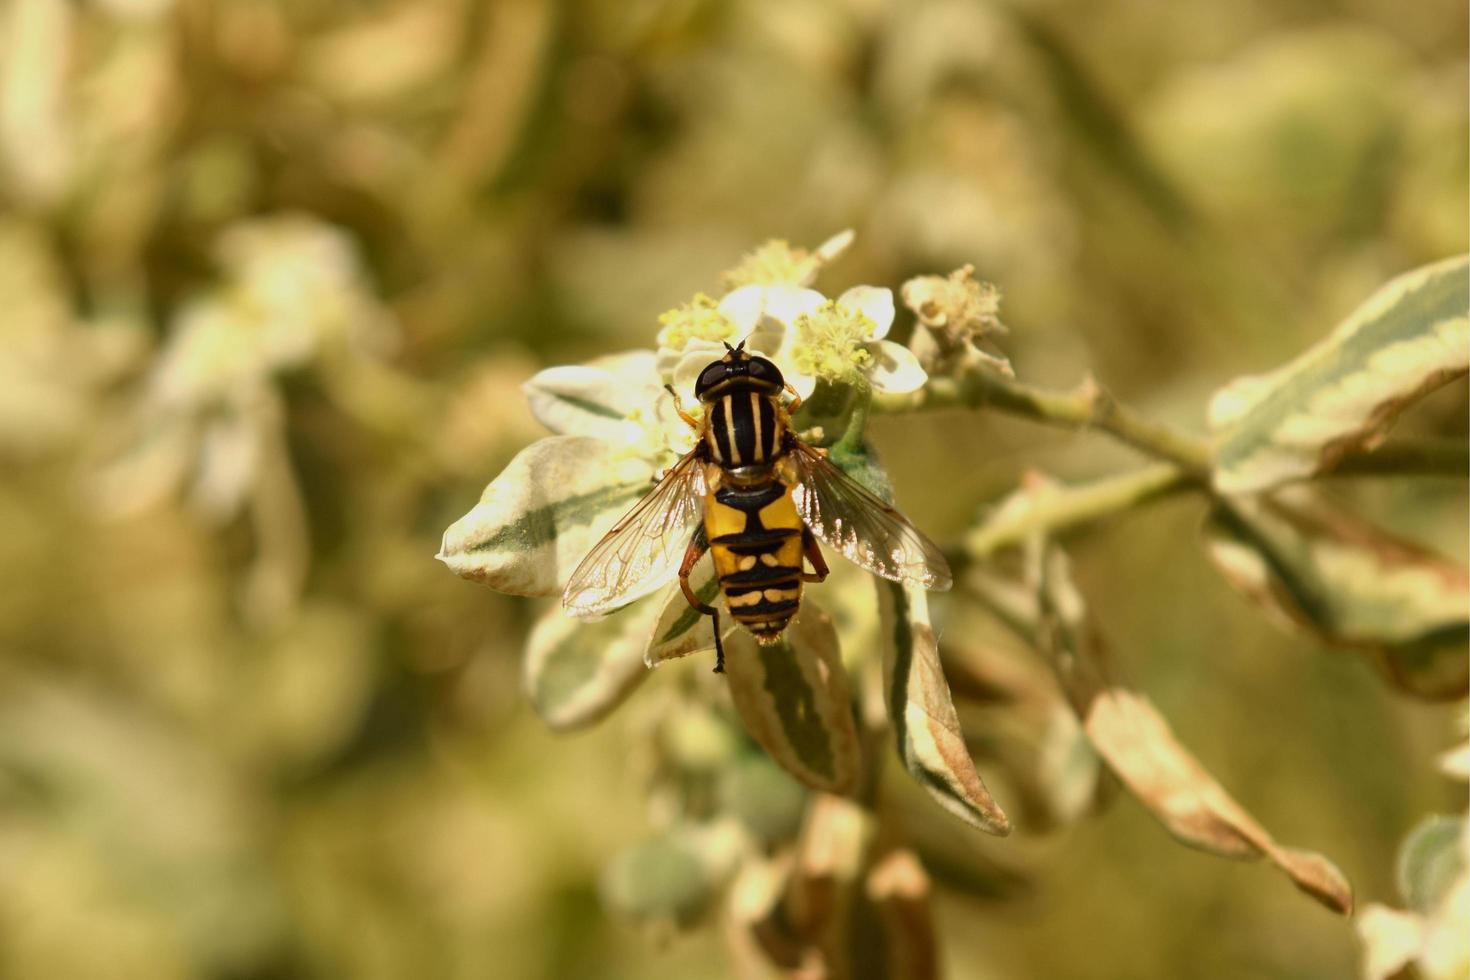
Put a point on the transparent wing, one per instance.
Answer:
(867, 531)
(643, 549)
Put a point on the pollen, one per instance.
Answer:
(699, 319)
(831, 343)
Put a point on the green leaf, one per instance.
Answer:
(1342, 395)
(1350, 583)
(925, 726)
(1431, 860)
(543, 513)
(794, 699)
(576, 672)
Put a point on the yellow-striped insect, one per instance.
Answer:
(758, 498)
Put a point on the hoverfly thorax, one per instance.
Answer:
(746, 425)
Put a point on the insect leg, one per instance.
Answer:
(689, 420)
(814, 555)
(697, 547)
(795, 400)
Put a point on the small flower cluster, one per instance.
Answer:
(778, 315)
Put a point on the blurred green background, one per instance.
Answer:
(272, 272)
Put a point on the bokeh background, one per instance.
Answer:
(272, 271)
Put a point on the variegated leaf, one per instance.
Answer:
(1131, 736)
(925, 725)
(1343, 394)
(600, 399)
(1138, 746)
(1350, 583)
(575, 671)
(794, 699)
(680, 629)
(543, 513)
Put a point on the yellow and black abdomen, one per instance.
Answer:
(755, 536)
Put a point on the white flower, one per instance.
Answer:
(776, 314)
(807, 335)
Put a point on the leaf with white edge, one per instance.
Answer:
(680, 629)
(602, 399)
(1137, 744)
(1132, 738)
(794, 699)
(1431, 860)
(1342, 394)
(543, 513)
(925, 726)
(575, 672)
(1350, 583)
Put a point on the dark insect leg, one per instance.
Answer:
(813, 555)
(689, 420)
(697, 547)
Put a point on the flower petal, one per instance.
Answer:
(686, 366)
(748, 306)
(875, 303)
(894, 369)
(543, 513)
(795, 700)
(576, 672)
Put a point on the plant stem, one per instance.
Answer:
(1089, 406)
(1066, 507)
(1086, 406)
(851, 441)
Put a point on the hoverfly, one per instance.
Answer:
(757, 497)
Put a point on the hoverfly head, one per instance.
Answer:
(738, 368)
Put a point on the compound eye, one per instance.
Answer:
(764, 370)
(710, 377)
